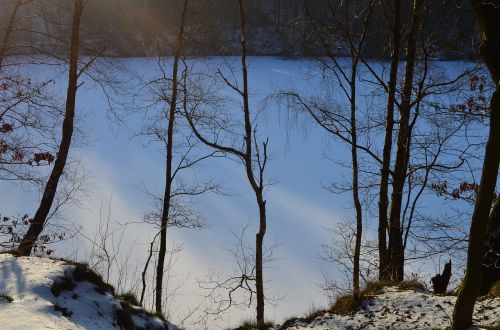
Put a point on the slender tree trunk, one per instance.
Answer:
(396, 251)
(8, 32)
(259, 245)
(49, 193)
(355, 185)
(488, 14)
(168, 177)
(256, 186)
(383, 205)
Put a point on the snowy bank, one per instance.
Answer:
(40, 293)
(409, 309)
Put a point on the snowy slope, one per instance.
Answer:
(29, 299)
(395, 309)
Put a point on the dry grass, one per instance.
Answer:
(346, 304)
(495, 290)
(7, 297)
(82, 272)
(252, 325)
(412, 284)
(128, 297)
(373, 288)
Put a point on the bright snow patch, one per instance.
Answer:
(395, 309)
(27, 302)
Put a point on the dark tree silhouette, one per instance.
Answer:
(169, 172)
(49, 193)
(488, 15)
(253, 157)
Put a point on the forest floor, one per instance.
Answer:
(41, 293)
(402, 309)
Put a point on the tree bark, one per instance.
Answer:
(488, 15)
(491, 261)
(49, 193)
(396, 250)
(168, 177)
(383, 205)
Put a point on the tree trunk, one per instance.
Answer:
(488, 14)
(168, 177)
(259, 246)
(355, 189)
(49, 193)
(396, 251)
(491, 262)
(256, 186)
(470, 289)
(383, 204)
(355, 169)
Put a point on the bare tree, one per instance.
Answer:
(347, 80)
(252, 155)
(40, 217)
(164, 123)
(432, 129)
(169, 172)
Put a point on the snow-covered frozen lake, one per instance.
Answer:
(299, 208)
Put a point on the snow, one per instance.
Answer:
(410, 309)
(27, 282)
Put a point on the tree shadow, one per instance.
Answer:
(11, 276)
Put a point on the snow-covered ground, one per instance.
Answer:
(395, 309)
(28, 301)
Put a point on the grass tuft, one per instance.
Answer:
(412, 284)
(128, 297)
(373, 288)
(495, 291)
(7, 297)
(124, 317)
(82, 272)
(64, 310)
(65, 283)
(345, 304)
(252, 325)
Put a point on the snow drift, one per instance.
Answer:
(41, 293)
